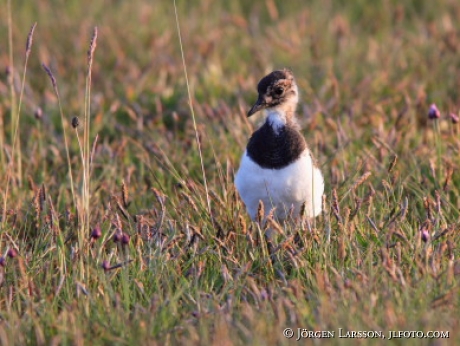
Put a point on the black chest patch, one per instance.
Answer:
(275, 150)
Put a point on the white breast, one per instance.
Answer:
(283, 189)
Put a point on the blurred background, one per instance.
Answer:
(399, 50)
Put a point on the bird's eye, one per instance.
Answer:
(279, 91)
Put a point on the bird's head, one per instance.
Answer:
(277, 89)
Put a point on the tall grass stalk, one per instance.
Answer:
(12, 103)
(437, 139)
(2, 142)
(16, 111)
(16, 138)
(86, 193)
(11, 67)
(190, 100)
(64, 125)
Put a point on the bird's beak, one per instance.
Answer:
(260, 104)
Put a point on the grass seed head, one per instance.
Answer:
(393, 162)
(30, 39)
(51, 76)
(242, 223)
(361, 180)
(92, 47)
(124, 194)
(260, 211)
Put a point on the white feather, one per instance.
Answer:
(283, 189)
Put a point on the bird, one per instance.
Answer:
(277, 166)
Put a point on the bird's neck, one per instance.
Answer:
(281, 116)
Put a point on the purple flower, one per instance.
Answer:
(105, 265)
(11, 253)
(454, 118)
(125, 238)
(434, 112)
(425, 235)
(96, 233)
(117, 236)
(38, 113)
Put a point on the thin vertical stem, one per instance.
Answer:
(197, 137)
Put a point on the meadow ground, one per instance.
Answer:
(131, 245)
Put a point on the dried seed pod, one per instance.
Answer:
(75, 122)
(30, 39)
(124, 194)
(260, 211)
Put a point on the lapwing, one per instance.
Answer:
(277, 166)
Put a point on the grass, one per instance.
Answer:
(170, 269)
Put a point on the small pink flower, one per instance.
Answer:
(125, 238)
(105, 265)
(11, 253)
(434, 112)
(38, 113)
(425, 235)
(454, 118)
(96, 233)
(117, 236)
